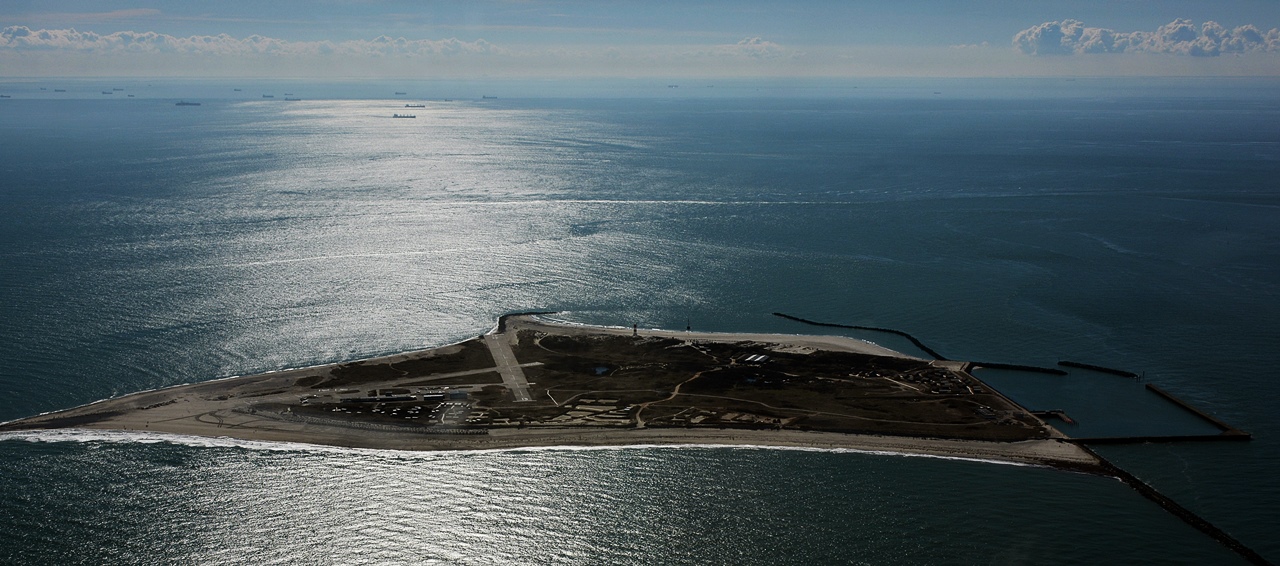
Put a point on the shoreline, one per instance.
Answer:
(838, 343)
(1035, 453)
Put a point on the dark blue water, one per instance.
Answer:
(145, 245)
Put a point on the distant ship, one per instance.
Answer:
(130, 96)
(106, 92)
(288, 94)
(185, 103)
(403, 116)
(489, 97)
(293, 99)
(401, 93)
(268, 96)
(59, 90)
(415, 106)
(117, 89)
(236, 89)
(5, 96)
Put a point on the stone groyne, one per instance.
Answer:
(1239, 435)
(1227, 430)
(1177, 510)
(1100, 369)
(502, 320)
(923, 347)
(913, 339)
(1018, 367)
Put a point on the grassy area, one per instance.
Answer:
(465, 356)
(619, 380)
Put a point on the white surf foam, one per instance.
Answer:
(146, 437)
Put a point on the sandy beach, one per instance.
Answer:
(1051, 453)
(816, 342)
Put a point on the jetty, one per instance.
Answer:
(1227, 430)
(1017, 367)
(1097, 368)
(913, 339)
(924, 348)
(1188, 516)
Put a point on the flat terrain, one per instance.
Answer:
(536, 383)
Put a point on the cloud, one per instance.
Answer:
(1179, 37)
(21, 38)
(755, 47)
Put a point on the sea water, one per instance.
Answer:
(146, 245)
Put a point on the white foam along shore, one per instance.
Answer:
(1027, 453)
(228, 408)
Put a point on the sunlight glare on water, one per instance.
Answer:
(148, 245)
(332, 506)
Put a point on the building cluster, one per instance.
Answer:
(593, 411)
(427, 405)
(941, 382)
(695, 416)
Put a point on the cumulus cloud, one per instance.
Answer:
(1179, 37)
(756, 47)
(21, 38)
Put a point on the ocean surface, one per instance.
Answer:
(143, 244)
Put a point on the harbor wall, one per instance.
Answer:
(913, 339)
(1100, 369)
(1177, 510)
(1227, 430)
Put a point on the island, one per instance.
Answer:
(535, 382)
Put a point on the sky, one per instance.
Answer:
(632, 39)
